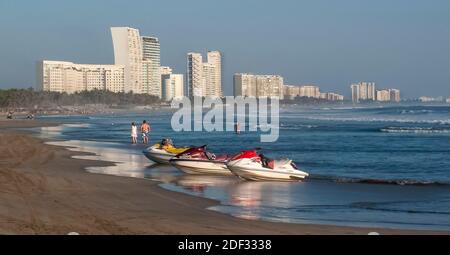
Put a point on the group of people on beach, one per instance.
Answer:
(145, 131)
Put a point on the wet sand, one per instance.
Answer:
(45, 191)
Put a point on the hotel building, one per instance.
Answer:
(128, 52)
(151, 62)
(292, 91)
(252, 85)
(383, 95)
(68, 77)
(363, 91)
(204, 79)
(172, 86)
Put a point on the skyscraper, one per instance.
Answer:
(363, 91)
(172, 86)
(355, 93)
(204, 79)
(128, 52)
(194, 76)
(394, 95)
(151, 62)
(215, 59)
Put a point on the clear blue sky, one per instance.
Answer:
(396, 43)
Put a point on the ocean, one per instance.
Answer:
(369, 166)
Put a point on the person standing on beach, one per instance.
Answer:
(237, 128)
(145, 130)
(133, 133)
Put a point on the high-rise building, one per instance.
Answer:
(204, 79)
(363, 91)
(151, 62)
(383, 95)
(252, 85)
(194, 76)
(172, 86)
(394, 95)
(128, 53)
(215, 59)
(355, 93)
(309, 91)
(371, 91)
(245, 85)
(68, 77)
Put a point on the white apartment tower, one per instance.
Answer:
(194, 76)
(204, 79)
(355, 93)
(151, 62)
(215, 59)
(363, 91)
(128, 52)
(172, 86)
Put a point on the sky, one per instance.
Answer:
(401, 44)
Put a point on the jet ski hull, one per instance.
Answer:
(192, 166)
(265, 174)
(158, 156)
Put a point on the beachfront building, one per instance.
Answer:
(128, 52)
(215, 60)
(252, 85)
(151, 62)
(204, 79)
(194, 84)
(292, 91)
(68, 77)
(172, 86)
(383, 95)
(363, 91)
(394, 95)
(355, 93)
(309, 91)
(388, 95)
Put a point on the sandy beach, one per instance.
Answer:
(45, 191)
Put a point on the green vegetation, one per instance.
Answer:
(30, 99)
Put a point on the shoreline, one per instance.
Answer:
(46, 191)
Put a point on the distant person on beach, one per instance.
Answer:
(133, 133)
(9, 116)
(237, 128)
(145, 130)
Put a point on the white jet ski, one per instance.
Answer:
(249, 165)
(163, 152)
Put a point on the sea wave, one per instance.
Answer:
(402, 182)
(296, 126)
(416, 130)
(416, 111)
(364, 119)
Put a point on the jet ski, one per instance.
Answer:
(162, 152)
(250, 165)
(200, 161)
